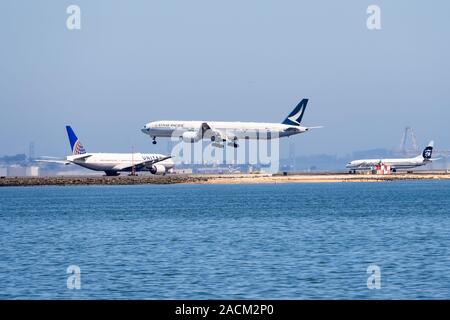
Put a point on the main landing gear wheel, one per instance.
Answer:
(110, 173)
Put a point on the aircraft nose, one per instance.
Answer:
(145, 129)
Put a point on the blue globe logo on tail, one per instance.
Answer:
(75, 143)
(78, 148)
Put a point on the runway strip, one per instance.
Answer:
(320, 178)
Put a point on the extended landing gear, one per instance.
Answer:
(233, 144)
(154, 140)
(218, 145)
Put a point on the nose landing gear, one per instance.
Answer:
(154, 140)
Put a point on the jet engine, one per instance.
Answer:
(215, 136)
(158, 169)
(190, 137)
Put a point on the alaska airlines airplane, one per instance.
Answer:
(113, 163)
(395, 164)
(228, 132)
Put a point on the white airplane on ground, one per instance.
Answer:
(395, 164)
(113, 163)
(228, 132)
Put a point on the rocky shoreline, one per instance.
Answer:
(215, 179)
(97, 180)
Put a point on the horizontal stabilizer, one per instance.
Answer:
(52, 161)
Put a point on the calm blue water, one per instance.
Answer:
(288, 241)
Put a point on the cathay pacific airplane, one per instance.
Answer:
(395, 164)
(221, 133)
(113, 163)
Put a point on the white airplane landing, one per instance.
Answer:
(221, 133)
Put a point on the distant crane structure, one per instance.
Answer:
(31, 154)
(445, 155)
(292, 156)
(409, 135)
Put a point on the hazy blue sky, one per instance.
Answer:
(137, 61)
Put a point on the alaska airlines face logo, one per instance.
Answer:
(78, 148)
(427, 153)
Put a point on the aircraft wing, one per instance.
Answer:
(361, 165)
(207, 132)
(368, 164)
(205, 127)
(140, 164)
(81, 157)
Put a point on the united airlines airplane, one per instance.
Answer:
(395, 164)
(113, 163)
(221, 133)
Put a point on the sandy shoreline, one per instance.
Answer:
(320, 178)
(217, 179)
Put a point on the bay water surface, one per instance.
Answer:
(269, 241)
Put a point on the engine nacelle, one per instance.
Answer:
(190, 137)
(158, 169)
